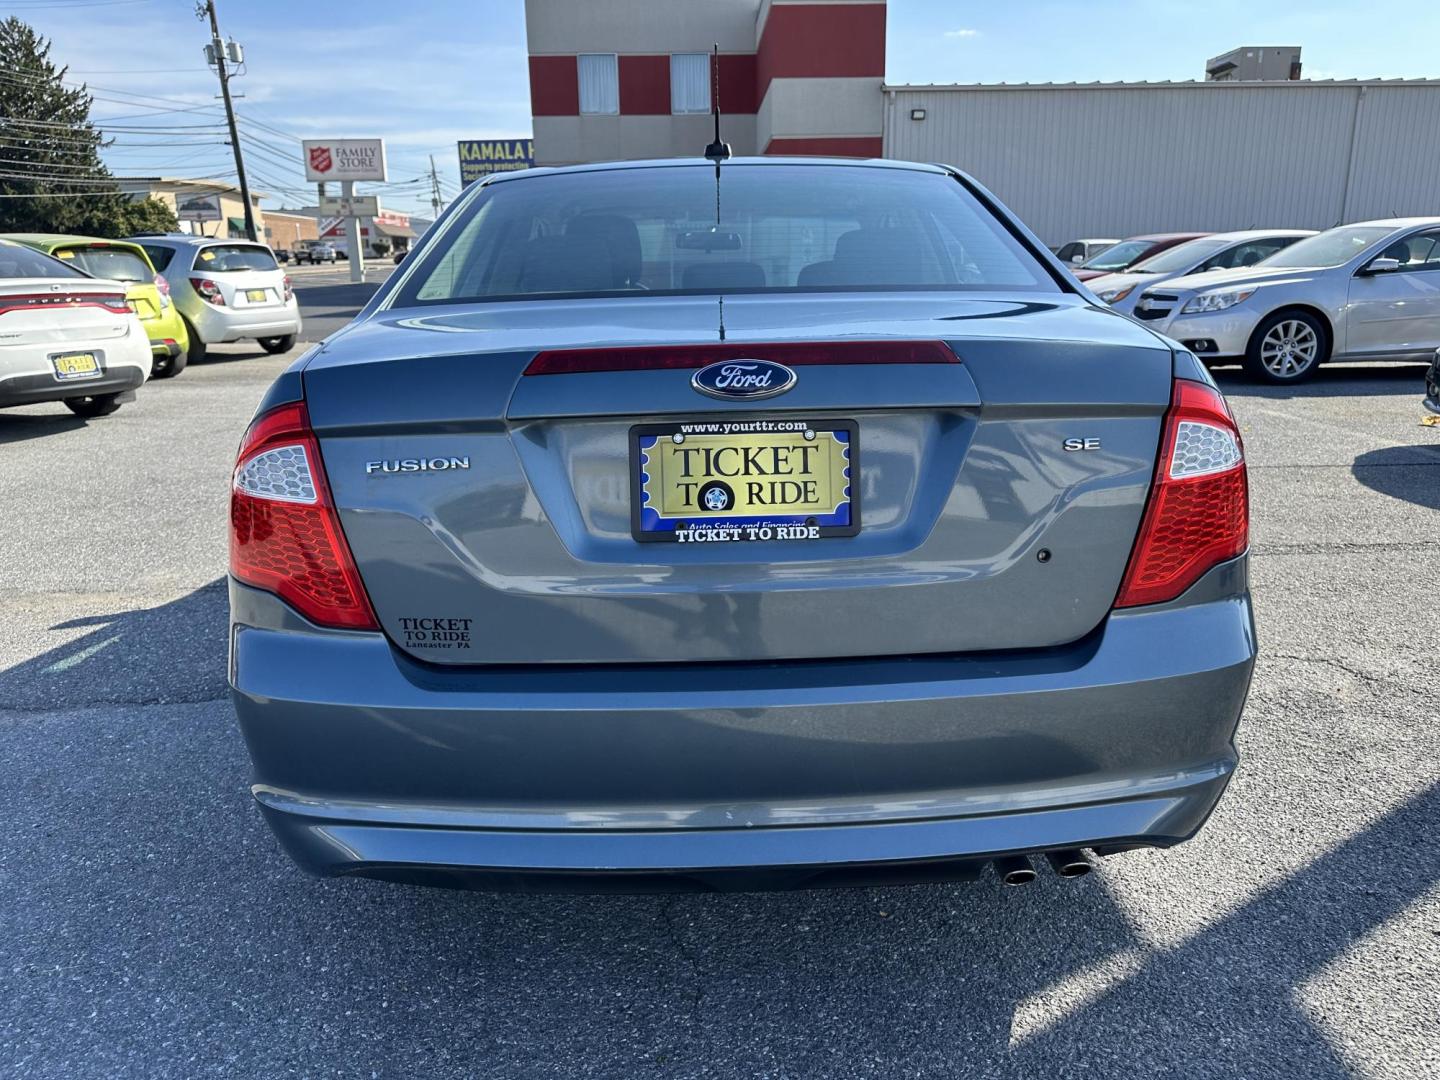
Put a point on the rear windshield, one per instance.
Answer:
(23, 262)
(114, 263)
(762, 228)
(228, 258)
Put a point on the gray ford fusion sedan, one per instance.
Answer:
(761, 524)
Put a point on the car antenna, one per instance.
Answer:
(718, 150)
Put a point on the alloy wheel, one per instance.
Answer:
(1290, 348)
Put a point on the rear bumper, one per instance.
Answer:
(711, 775)
(216, 325)
(34, 389)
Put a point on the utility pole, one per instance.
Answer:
(435, 199)
(216, 54)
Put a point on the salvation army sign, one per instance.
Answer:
(344, 159)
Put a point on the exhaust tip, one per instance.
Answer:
(1015, 870)
(1070, 863)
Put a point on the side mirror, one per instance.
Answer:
(1380, 265)
(1076, 260)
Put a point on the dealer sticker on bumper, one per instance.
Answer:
(709, 481)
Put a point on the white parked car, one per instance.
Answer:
(65, 336)
(1368, 291)
(1079, 251)
(1219, 251)
(226, 290)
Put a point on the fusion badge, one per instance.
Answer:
(409, 465)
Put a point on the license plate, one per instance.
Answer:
(81, 365)
(734, 480)
(256, 296)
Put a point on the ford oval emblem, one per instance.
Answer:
(744, 379)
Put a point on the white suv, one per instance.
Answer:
(226, 290)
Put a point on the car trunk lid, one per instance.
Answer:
(493, 513)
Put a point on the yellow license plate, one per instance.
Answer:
(731, 479)
(256, 296)
(75, 365)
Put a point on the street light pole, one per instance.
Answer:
(217, 47)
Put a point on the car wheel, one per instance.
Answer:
(1287, 347)
(90, 407)
(196, 352)
(167, 367)
(278, 344)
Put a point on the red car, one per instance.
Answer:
(1129, 252)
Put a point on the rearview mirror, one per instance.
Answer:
(1381, 265)
(711, 239)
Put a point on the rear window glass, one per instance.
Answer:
(763, 228)
(159, 256)
(23, 262)
(115, 263)
(228, 258)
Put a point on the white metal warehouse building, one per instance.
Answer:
(1117, 159)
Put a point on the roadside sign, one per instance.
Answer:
(198, 207)
(355, 206)
(344, 159)
(481, 157)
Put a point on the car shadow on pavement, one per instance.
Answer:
(18, 427)
(1408, 473)
(137, 864)
(1332, 380)
(167, 654)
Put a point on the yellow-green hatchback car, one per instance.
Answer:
(147, 292)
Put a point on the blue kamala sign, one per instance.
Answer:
(481, 157)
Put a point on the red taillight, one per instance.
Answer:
(208, 290)
(289, 289)
(113, 302)
(1199, 510)
(162, 285)
(794, 353)
(285, 534)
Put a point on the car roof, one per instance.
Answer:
(1236, 236)
(704, 163)
(1157, 237)
(1395, 223)
(61, 239)
(188, 240)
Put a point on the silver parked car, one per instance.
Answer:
(1368, 291)
(1219, 251)
(226, 290)
(826, 531)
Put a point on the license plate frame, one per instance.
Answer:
(95, 371)
(257, 296)
(649, 526)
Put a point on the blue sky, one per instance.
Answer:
(425, 73)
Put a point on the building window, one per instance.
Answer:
(690, 83)
(599, 83)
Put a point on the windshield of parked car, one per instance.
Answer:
(1180, 258)
(229, 258)
(117, 264)
(769, 228)
(1118, 257)
(1331, 248)
(23, 262)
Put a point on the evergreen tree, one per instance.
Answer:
(50, 151)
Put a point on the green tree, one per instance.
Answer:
(51, 175)
(147, 215)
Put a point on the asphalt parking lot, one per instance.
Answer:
(153, 928)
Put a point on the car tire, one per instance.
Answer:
(196, 353)
(276, 345)
(1287, 347)
(167, 367)
(91, 407)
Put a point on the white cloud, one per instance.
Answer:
(963, 32)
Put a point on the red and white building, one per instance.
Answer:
(613, 79)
